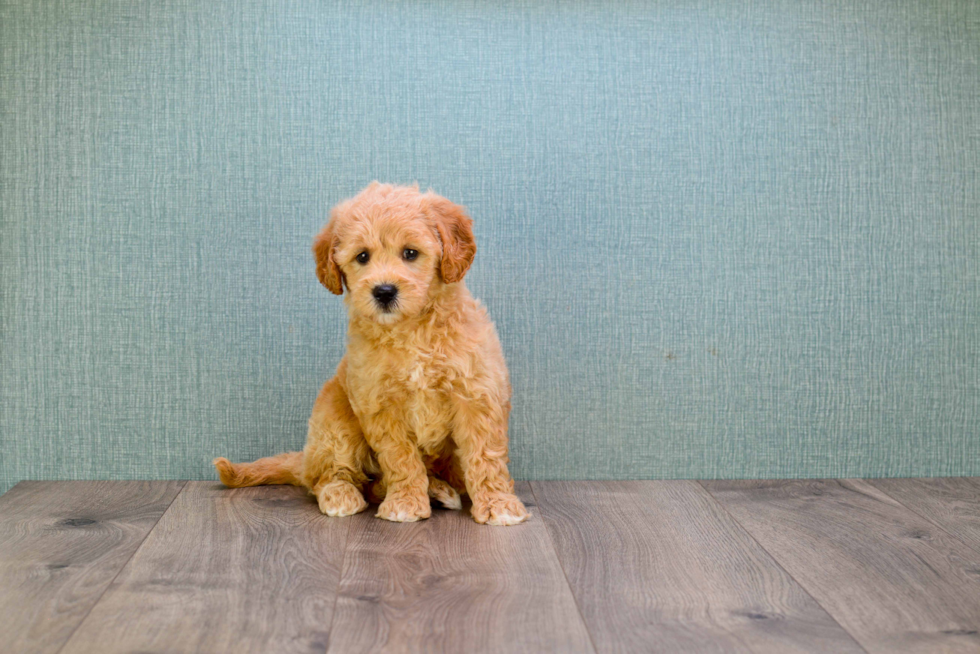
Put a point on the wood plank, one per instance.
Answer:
(894, 580)
(450, 585)
(61, 544)
(658, 566)
(951, 503)
(244, 570)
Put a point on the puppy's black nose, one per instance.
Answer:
(385, 294)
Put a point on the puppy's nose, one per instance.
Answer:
(385, 294)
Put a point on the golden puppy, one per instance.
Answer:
(419, 405)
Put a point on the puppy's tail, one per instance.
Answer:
(285, 468)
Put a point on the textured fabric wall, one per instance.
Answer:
(734, 238)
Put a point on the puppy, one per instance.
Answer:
(419, 405)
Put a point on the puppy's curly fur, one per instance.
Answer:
(419, 405)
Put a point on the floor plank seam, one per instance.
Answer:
(183, 485)
(561, 565)
(938, 526)
(340, 580)
(781, 567)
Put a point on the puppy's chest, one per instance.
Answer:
(415, 388)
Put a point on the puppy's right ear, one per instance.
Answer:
(327, 270)
(455, 230)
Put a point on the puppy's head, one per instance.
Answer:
(392, 248)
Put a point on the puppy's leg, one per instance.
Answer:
(480, 433)
(407, 498)
(336, 453)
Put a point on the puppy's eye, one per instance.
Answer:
(410, 255)
(363, 257)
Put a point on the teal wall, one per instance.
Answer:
(730, 238)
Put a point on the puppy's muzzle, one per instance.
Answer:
(385, 295)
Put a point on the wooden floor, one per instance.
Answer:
(643, 566)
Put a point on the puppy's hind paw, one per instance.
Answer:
(445, 494)
(376, 491)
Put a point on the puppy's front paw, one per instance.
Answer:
(444, 494)
(499, 509)
(401, 507)
(339, 499)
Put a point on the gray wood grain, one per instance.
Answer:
(952, 503)
(244, 570)
(894, 580)
(61, 544)
(450, 585)
(658, 566)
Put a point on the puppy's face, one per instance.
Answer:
(389, 266)
(391, 248)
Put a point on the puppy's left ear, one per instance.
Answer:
(455, 230)
(327, 270)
